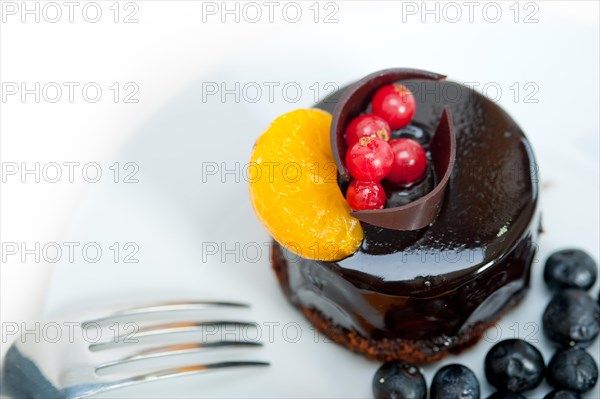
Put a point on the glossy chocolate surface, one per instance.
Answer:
(464, 268)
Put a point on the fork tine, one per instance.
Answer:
(188, 370)
(175, 350)
(162, 308)
(165, 374)
(164, 330)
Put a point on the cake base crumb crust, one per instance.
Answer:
(412, 351)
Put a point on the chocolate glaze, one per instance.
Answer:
(434, 284)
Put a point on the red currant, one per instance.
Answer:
(394, 103)
(410, 161)
(367, 125)
(364, 195)
(370, 159)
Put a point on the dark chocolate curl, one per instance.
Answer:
(422, 212)
(356, 99)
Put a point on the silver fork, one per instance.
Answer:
(77, 366)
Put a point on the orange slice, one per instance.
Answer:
(294, 191)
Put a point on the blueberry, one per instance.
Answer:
(514, 365)
(570, 268)
(572, 319)
(399, 380)
(562, 394)
(454, 381)
(506, 395)
(573, 369)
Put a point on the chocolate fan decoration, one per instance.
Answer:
(421, 212)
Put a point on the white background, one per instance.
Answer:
(174, 45)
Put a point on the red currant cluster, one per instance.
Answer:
(372, 157)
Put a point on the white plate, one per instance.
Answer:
(171, 212)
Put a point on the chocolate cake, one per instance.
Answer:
(427, 279)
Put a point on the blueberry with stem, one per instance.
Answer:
(572, 319)
(573, 369)
(400, 380)
(514, 365)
